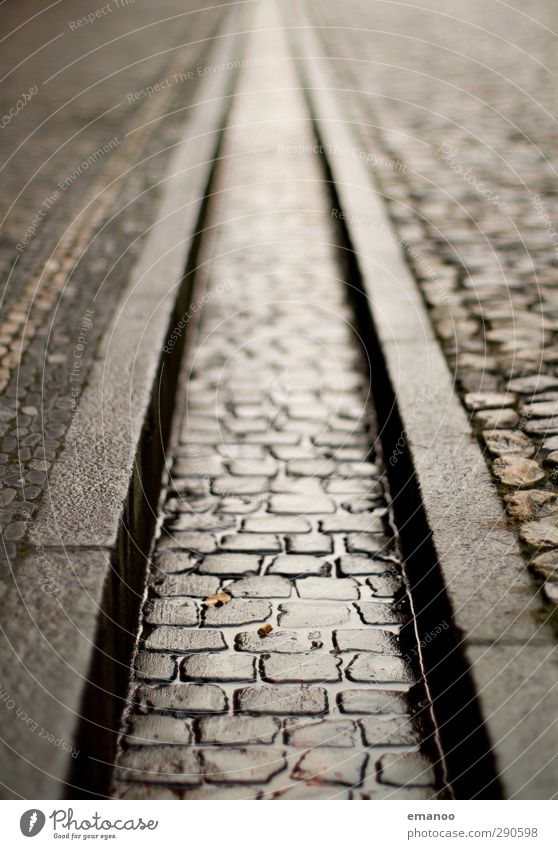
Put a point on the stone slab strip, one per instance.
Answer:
(50, 614)
(484, 574)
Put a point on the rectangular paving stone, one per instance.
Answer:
(158, 730)
(388, 731)
(336, 733)
(230, 564)
(262, 543)
(319, 615)
(378, 613)
(264, 586)
(305, 667)
(359, 565)
(234, 485)
(172, 562)
(342, 589)
(379, 669)
(171, 611)
(176, 639)
(294, 565)
(372, 701)
(197, 586)
(154, 667)
(281, 700)
(278, 641)
(238, 611)
(406, 770)
(218, 666)
(311, 468)
(312, 543)
(208, 522)
(301, 504)
(330, 766)
(368, 543)
(183, 698)
(188, 542)
(154, 766)
(369, 523)
(237, 730)
(276, 525)
(366, 639)
(242, 766)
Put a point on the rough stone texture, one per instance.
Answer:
(300, 667)
(156, 730)
(338, 733)
(222, 666)
(174, 639)
(388, 731)
(276, 478)
(237, 730)
(159, 766)
(242, 766)
(282, 700)
(330, 766)
(406, 770)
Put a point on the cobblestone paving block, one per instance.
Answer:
(278, 641)
(157, 730)
(183, 698)
(282, 700)
(338, 733)
(160, 765)
(364, 544)
(388, 731)
(266, 586)
(154, 667)
(171, 611)
(308, 667)
(328, 588)
(379, 669)
(292, 615)
(369, 523)
(301, 504)
(377, 613)
(193, 542)
(366, 639)
(372, 701)
(359, 564)
(406, 770)
(171, 562)
(385, 586)
(221, 667)
(294, 565)
(277, 525)
(312, 543)
(330, 766)
(207, 522)
(262, 543)
(242, 766)
(237, 730)
(238, 611)
(197, 586)
(230, 565)
(175, 639)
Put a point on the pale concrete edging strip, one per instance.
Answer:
(48, 638)
(483, 571)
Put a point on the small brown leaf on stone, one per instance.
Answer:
(265, 630)
(217, 599)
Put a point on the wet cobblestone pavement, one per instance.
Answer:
(73, 216)
(463, 143)
(275, 658)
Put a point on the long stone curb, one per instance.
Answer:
(511, 656)
(54, 610)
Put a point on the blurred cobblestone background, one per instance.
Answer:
(80, 164)
(460, 100)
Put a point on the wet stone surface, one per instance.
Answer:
(273, 464)
(472, 202)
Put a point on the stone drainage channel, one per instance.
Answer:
(278, 650)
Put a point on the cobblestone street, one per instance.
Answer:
(278, 402)
(276, 504)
